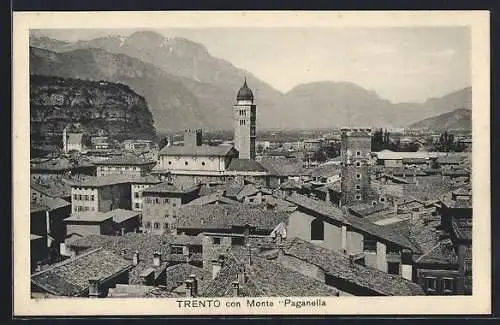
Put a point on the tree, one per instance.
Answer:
(446, 142)
(319, 155)
(163, 142)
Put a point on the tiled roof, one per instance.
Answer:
(136, 271)
(203, 150)
(416, 160)
(180, 272)
(59, 165)
(102, 181)
(441, 253)
(129, 160)
(291, 184)
(251, 189)
(88, 216)
(339, 266)
(167, 187)
(382, 232)
(326, 171)
(221, 285)
(449, 159)
(121, 215)
(271, 279)
(146, 244)
(245, 165)
(232, 189)
(53, 203)
(71, 277)
(218, 217)
(358, 223)
(365, 209)
(53, 188)
(212, 198)
(186, 240)
(150, 179)
(393, 155)
(284, 166)
(320, 207)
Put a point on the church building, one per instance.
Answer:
(196, 163)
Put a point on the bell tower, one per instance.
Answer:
(355, 155)
(245, 115)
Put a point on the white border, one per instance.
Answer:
(478, 303)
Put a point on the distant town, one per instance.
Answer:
(354, 211)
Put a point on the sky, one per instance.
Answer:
(402, 64)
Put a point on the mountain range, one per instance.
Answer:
(185, 86)
(459, 119)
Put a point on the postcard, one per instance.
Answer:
(251, 163)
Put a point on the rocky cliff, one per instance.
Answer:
(101, 108)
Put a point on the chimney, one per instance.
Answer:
(194, 286)
(189, 287)
(236, 288)
(135, 259)
(94, 288)
(156, 259)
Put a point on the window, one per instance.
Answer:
(92, 198)
(170, 163)
(167, 201)
(75, 197)
(317, 230)
(393, 268)
(148, 225)
(165, 226)
(358, 197)
(157, 201)
(216, 240)
(374, 203)
(203, 163)
(358, 176)
(79, 197)
(369, 244)
(92, 209)
(358, 187)
(358, 153)
(186, 163)
(136, 194)
(174, 204)
(447, 285)
(382, 199)
(156, 225)
(86, 208)
(358, 164)
(430, 283)
(137, 206)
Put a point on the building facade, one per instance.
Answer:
(102, 194)
(245, 116)
(125, 165)
(161, 203)
(355, 165)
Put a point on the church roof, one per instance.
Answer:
(245, 93)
